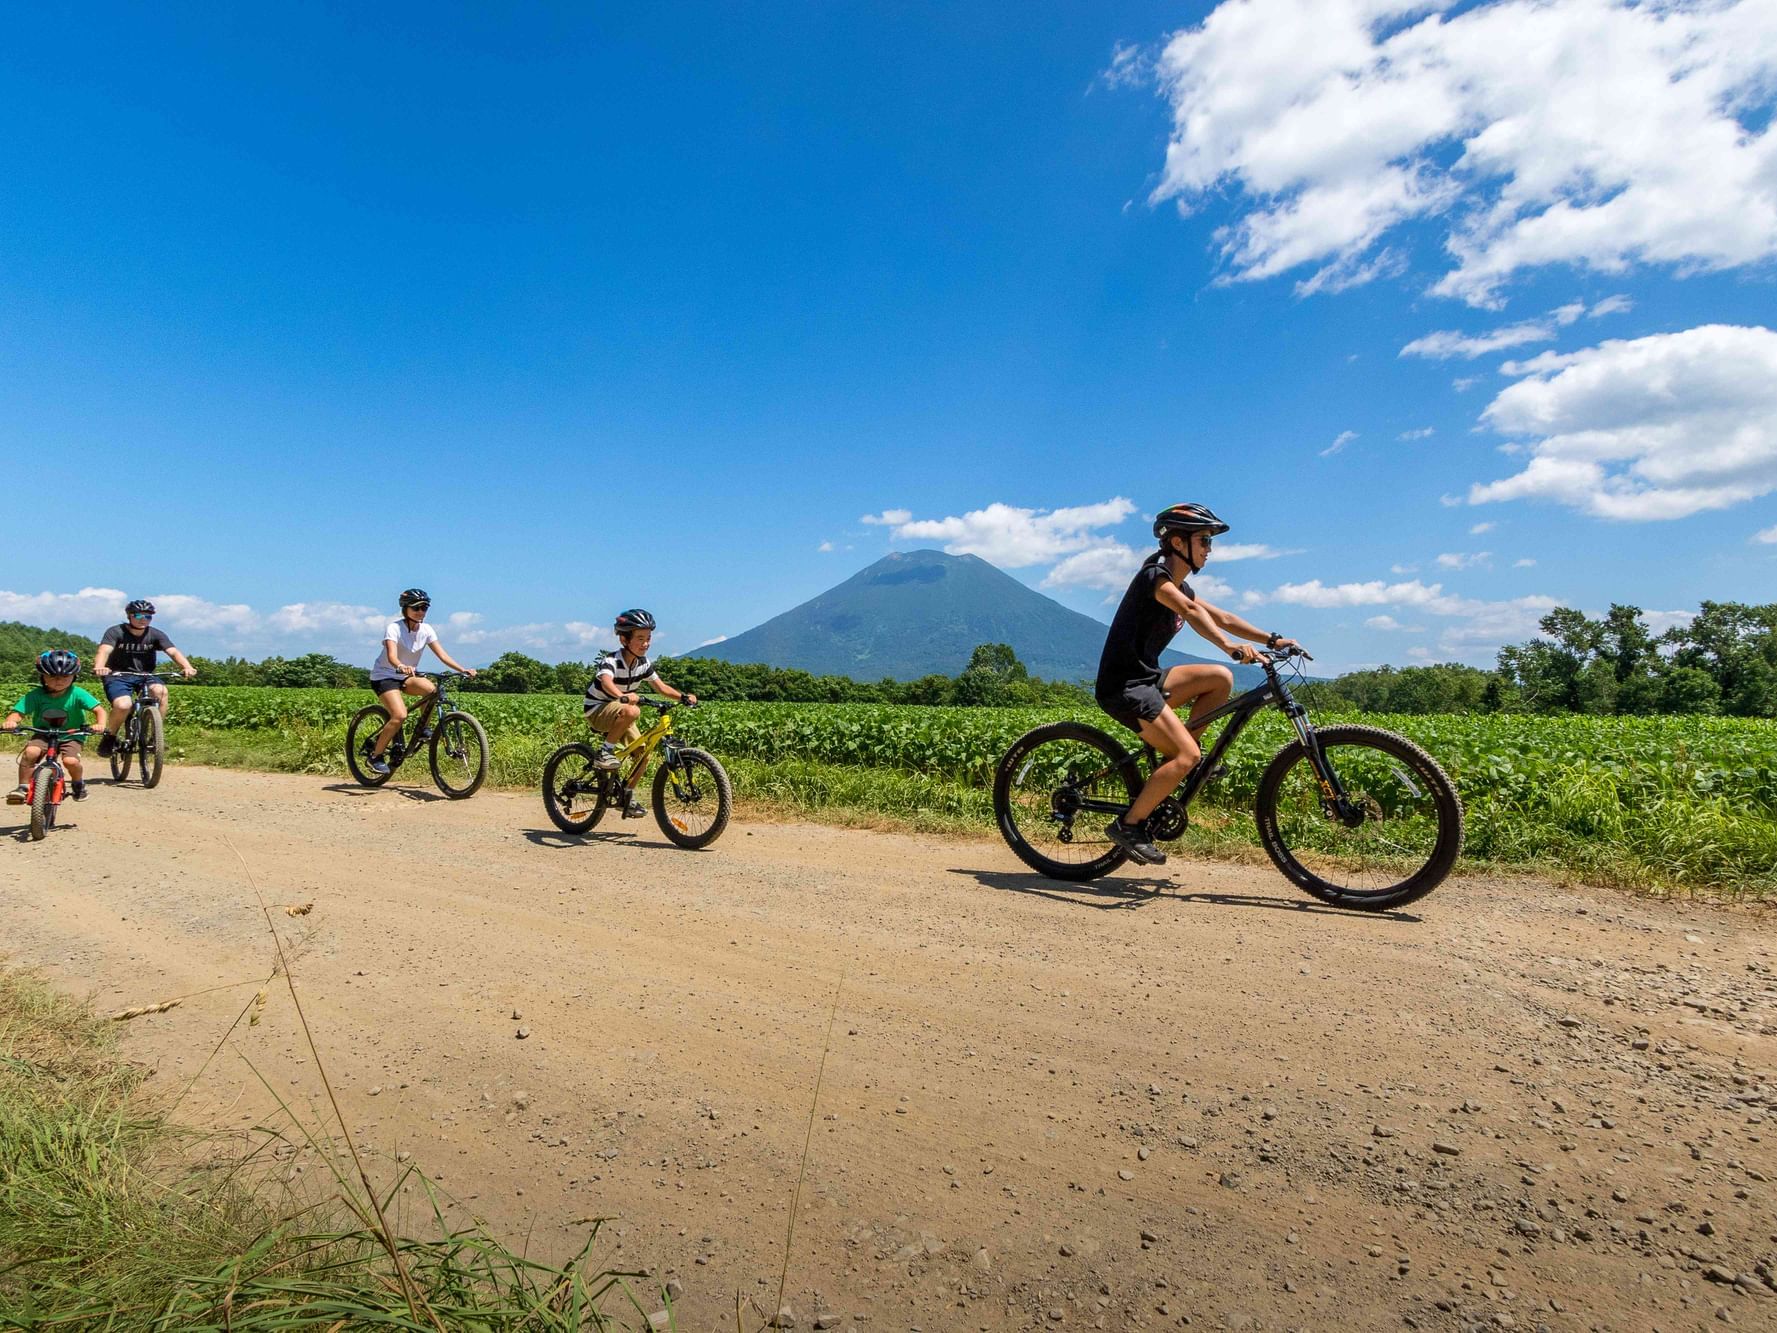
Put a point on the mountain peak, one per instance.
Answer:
(918, 613)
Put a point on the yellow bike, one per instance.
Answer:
(692, 795)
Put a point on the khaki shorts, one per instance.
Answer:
(604, 717)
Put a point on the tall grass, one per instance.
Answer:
(113, 1218)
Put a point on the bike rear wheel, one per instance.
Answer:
(571, 789)
(1408, 838)
(359, 737)
(458, 755)
(43, 807)
(692, 799)
(123, 752)
(1037, 796)
(153, 743)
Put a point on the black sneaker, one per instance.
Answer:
(377, 765)
(18, 795)
(1135, 842)
(107, 745)
(635, 809)
(77, 790)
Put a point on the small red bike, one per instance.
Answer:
(49, 779)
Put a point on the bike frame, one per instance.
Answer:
(1239, 711)
(139, 683)
(644, 745)
(52, 737)
(437, 702)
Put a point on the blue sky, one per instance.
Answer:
(557, 312)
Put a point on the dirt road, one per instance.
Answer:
(1179, 1097)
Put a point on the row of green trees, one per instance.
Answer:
(994, 676)
(1723, 661)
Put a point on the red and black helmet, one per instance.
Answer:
(1187, 518)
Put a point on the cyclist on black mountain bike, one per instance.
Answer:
(133, 648)
(1131, 686)
(396, 669)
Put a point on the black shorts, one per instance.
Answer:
(1134, 704)
(382, 687)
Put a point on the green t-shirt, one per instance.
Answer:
(74, 701)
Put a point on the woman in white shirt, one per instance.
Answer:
(395, 671)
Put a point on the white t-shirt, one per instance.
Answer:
(409, 644)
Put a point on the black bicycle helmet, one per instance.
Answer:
(58, 662)
(1187, 518)
(140, 607)
(633, 619)
(415, 597)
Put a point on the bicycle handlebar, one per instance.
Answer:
(1279, 655)
(662, 705)
(52, 731)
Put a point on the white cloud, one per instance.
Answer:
(888, 518)
(1345, 437)
(1465, 559)
(1611, 305)
(1423, 433)
(93, 608)
(1419, 653)
(1249, 551)
(1768, 536)
(1525, 563)
(1651, 428)
(1465, 383)
(1012, 537)
(1390, 623)
(1109, 566)
(1661, 621)
(321, 617)
(1403, 569)
(1480, 528)
(720, 638)
(1131, 65)
(824, 547)
(1599, 133)
(1479, 625)
(1444, 345)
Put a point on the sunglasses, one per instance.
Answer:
(139, 616)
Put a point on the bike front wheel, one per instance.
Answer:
(43, 806)
(360, 735)
(692, 799)
(1406, 830)
(571, 789)
(153, 746)
(1039, 796)
(123, 752)
(458, 756)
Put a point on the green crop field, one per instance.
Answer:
(1658, 802)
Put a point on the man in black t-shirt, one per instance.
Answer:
(1131, 686)
(133, 647)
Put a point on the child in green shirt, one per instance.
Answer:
(54, 693)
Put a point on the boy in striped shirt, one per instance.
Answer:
(612, 699)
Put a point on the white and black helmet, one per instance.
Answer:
(140, 607)
(1187, 518)
(415, 597)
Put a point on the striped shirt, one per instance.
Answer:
(626, 676)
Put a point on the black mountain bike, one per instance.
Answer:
(456, 746)
(143, 735)
(1354, 815)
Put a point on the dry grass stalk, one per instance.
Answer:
(123, 1015)
(258, 1007)
(291, 909)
